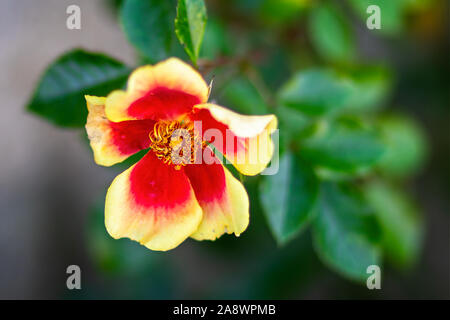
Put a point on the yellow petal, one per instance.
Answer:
(114, 142)
(250, 148)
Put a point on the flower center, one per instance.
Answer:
(176, 142)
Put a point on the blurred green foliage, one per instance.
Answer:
(316, 92)
(405, 144)
(400, 222)
(344, 161)
(331, 34)
(343, 145)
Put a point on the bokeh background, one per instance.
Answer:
(51, 190)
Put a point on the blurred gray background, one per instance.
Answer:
(48, 179)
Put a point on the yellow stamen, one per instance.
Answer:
(168, 143)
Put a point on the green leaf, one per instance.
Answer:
(148, 26)
(321, 91)
(242, 96)
(343, 146)
(190, 26)
(316, 92)
(402, 229)
(295, 123)
(371, 88)
(59, 96)
(406, 146)
(331, 34)
(289, 197)
(345, 232)
(391, 14)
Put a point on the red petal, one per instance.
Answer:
(222, 197)
(152, 203)
(131, 136)
(245, 140)
(155, 184)
(166, 91)
(162, 103)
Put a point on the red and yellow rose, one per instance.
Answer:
(159, 202)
